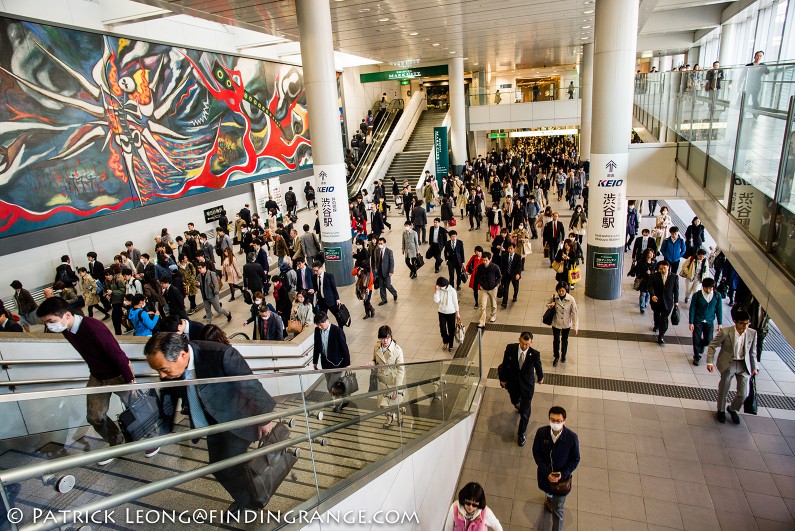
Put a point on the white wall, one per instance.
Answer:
(652, 171)
(525, 115)
(358, 98)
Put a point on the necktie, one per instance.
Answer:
(510, 259)
(320, 286)
(522, 355)
(197, 416)
(554, 230)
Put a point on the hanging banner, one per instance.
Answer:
(332, 201)
(748, 207)
(441, 154)
(607, 200)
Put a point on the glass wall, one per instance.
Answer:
(736, 136)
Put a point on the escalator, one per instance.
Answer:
(384, 125)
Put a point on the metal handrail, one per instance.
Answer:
(370, 154)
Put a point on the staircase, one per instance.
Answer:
(408, 165)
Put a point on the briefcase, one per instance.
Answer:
(347, 384)
(264, 474)
(144, 417)
(345, 315)
(247, 296)
(675, 316)
(750, 405)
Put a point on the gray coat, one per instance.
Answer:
(210, 287)
(411, 244)
(725, 341)
(419, 218)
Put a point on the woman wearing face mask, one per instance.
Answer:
(446, 297)
(662, 224)
(518, 216)
(521, 237)
(470, 512)
(578, 223)
(565, 319)
(364, 277)
(494, 216)
(474, 261)
(258, 299)
(388, 358)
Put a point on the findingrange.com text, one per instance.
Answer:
(211, 516)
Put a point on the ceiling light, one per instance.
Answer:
(436, 44)
(365, 10)
(588, 12)
(586, 27)
(413, 34)
(385, 19)
(452, 51)
(584, 38)
(475, 64)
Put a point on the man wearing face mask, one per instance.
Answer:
(107, 363)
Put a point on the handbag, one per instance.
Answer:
(464, 276)
(750, 405)
(247, 296)
(675, 316)
(347, 384)
(557, 266)
(264, 474)
(452, 222)
(144, 417)
(373, 381)
(295, 326)
(429, 253)
(574, 275)
(637, 284)
(527, 247)
(419, 262)
(345, 315)
(561, 488)
(549, 316)
(460, 331)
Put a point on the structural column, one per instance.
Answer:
(655, 62)
(726, 45)
(615, 41)
(458, 133)
(320, 84)
(586, 93)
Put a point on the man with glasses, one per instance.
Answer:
(736, 360)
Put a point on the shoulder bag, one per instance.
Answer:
(264, 474)
(750, 405)
(549, 316)
(460, 331)
(557, 266)
(295, 326)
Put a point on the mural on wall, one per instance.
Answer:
(92, 124)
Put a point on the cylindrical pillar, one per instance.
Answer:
(667, 63)
(482, 88)
(586, 93)
(320, 84)
(655, 62)
(727, 32)
(615, 38)
(458, 132)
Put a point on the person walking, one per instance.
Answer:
(705, 308)
(208, 285)
(565, 319)
(454, 255)
(92, 292)
(694, 237)
(437, 238)
(472, 265)
(556, 451)
(324, 288)
(364, 278)
(330, 349)
(554, 234)
(661, 286)
(231, 271)
(695, 270)
(384, 269)
(447, 298)
(737, 346)
(26, 306)
(488, 278)
(419, 219)
(564, 260)
(673, 249)
(469, 511)
(511, 266)
(633, 225)
(643, 271)
(516, 376)
(578, 223)
(410, 248)
(390, 372)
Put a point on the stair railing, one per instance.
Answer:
(370, 154)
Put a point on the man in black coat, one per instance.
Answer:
(554, 234)
(516, 375)
(376, 221)
(303, 276)
(384, 261)
(254, 277)
(661, 288)
(175, 299)
(327, 299)
(331, 348)
(511, 267)
(64, 273)
(174, 357)
(643, 242)
(245, 214)
(437, 237)
(190, 329)
(454, 255)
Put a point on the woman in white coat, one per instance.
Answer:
(565, 319)
(388, 360)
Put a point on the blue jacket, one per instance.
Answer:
(673, 250)
(701, 310)
(564, 455)
(142, 321)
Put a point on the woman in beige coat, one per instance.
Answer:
(231, 271)
(388, 359)
(565, 319)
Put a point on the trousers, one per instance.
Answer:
(557, 511)
(737, 370)
(222, 446)
(702, 335)
(97, 406)
(522, 404)
(560, 342)
(489, 306)
(386, 284)
(211, 304)
(447, 327)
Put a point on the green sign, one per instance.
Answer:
(498, 135)
(441, 155)
(409, 73)
(333, 254)
(605, 260)
(405, 82)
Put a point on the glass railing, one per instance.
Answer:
(334, 428)
(370, 155)
(526, 95)
(734, 134)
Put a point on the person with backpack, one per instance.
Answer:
(144, 323)
(309, 194)
(92, 292)
(291, 201)
(64, 273)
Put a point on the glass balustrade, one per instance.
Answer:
(527, 95)
(734, 134)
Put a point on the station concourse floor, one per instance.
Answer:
(649, 460)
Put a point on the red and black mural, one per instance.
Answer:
(92, 124)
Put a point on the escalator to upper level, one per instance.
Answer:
(383, 126)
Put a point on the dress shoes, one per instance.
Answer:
(733, 414)
(522, 440)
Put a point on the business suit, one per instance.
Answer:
(326, 299)
(729, 368)
(664, 291)
(208, 285)
(639, 246)
(554, 234)
(303, 279)
(384, 269)
(437, 237)
(454, 255)
(336, 356)
(519, 381)
(510, 265)
(175, 301)
(195, 330)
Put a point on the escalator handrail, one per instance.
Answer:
(370, 154)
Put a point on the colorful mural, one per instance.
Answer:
(92, 124)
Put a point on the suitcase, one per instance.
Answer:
(264, 474)
(145, 417)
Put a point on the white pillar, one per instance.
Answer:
(727, 33)
(693, 55)
(615, 41)
(587, 102)
(320, 84)
(458, 133)
(655, 62)
(666, 63)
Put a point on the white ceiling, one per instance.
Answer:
(494, 36)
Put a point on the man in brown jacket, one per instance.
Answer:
(26, 306)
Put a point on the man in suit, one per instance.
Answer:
(384, 269)
(454, 255)
(245, 214)
(208, 286)
(661, 286)
(254, 277)
(95, 267)
(554, 234)
(261, 254)
(207, 249)
(64, 273)
(331, 348)
(192, 330)
(516, 375)
(643, 242)
(556, 451)
(437, 237)
(673, 249)
(325, 291)
(303, 276)
(511, 266)
(174, 357)
(705, 307)
(419, 219)
(175, 300)
(736, 360)
(376, 221)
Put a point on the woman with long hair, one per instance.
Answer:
(472, 265)
(364, 277)
(578, 223)
(565, 255)
(302, 311)
(231, 271)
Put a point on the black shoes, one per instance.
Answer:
(384, 302)
(660, 340)
(642, 311)
(563, 359)
(522, 440)
(722, 417)
(733, 414)
(229, 318)
(503, 306)
(696, 361)
(555, 362)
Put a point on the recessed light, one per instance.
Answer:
(452, 51)
(385, 19)
(413, 33)
(584, 38)
(436, 44)
(588, 12)
(475, 64)
(364, 10)
(586, 27)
